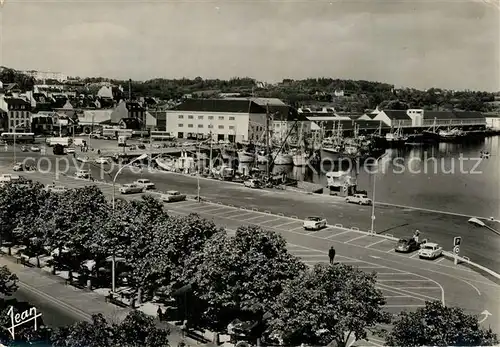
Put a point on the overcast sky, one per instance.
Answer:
(451, 44)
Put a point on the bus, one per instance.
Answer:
(20, 137)
(115, 132)
(161, 136)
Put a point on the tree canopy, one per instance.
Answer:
(438, 325)
(241, 273)
(336, 303)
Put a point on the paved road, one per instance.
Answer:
(406, 281)
(479, 244)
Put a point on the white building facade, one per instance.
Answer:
(220, 119)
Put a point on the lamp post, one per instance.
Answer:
(113, 260)
(372, 229)
(15, 127)
(480, 223)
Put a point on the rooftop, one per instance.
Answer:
(220, 105)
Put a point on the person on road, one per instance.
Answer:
(331, 254)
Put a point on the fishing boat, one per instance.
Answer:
(299, 155)
(282, 158)
(245, 156)
(396, 139)
(261, 157)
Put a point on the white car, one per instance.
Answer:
(83, 159)
(430, 250)
(360, 199)
(131, 188)
(145, 183)
(314, 223)
(252, 183)
(18, 167)
(35, 149)
(82, 174)
(173, 196)
(55, 189)
(102, 160)
(70, 150)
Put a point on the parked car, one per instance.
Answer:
(314, 223)
(70, 150)
(131, 188)
(145, 183)
(430, 250)
(35, 149)
(173, 196)
(83, 174)
(407, 246)
(361, 199)
(83, 159)
(18, 167)
(252, 183)
(24, 149)
(102, 160)
(55, 189)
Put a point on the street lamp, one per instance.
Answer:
(480, 223)
(372, 230)
(141, 157)
(113, 258)
(15, 127)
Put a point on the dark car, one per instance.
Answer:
(407, 246)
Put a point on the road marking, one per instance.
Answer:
(413, 256)
(404, 305)
(317, 231)
(373, 244)
(473, 286)
(398, 290)
(247, 219)
(210, 210)
(298, 228)
(389, 251)
(394, 273)
(440, 260)
(332, 236)
(282, 225)
(356, 238)
(396, 296)
(433, 288)
(405, 280)
(371, 267)
(272, 220)
(225, 213)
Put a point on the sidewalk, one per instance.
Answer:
(83, 303)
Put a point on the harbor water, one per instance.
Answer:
(446, 177)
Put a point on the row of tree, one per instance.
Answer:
(222, 277)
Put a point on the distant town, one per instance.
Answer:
(48, 103)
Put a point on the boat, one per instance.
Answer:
(245, 156)
(396, 139)
(227, 154)
(282, 158)
(261, 157)
(299, 156)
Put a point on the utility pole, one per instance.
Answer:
(268, 153)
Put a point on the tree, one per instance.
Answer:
(98, 333)
(8, 281)
(437, 325)
(19, 206)
(335, 303)
(241, 273)
(139, 330)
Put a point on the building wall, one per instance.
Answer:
(493, 122)
(383, 117)
(222, 125)
(20, 119)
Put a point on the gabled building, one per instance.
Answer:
(19, 114)
(418, 118)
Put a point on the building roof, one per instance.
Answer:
(439, 115)
(286, 113)
(468, 115)
(268, 101)
(99, 116)
(220, 105)
(397, 114)
(349, 124)
(17, 102)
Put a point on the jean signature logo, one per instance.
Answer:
(18, 319)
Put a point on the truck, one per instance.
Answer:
(63, 141)
(79, 142)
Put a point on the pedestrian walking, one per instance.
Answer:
(331, 254)
(160, 314)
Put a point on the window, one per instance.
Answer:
(181, 116)
(181, 125)
(221, 126)
(221, 117)
(210, 126)
(200, 125)
(231, 127)
(231, 118)
(211, 117)
(190, 117)
(200, 117)
(190, 125)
